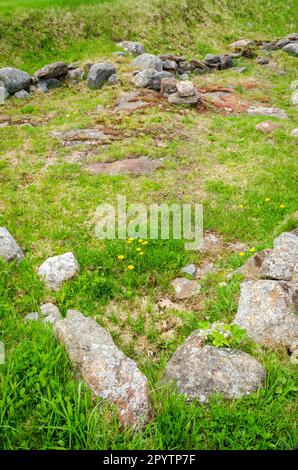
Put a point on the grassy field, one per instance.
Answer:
(246, 180)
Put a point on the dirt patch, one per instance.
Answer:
(129, 166)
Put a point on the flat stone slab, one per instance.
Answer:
(184, 288)
(130, 102)
(9, 249)
(129, 166)
(266, 311)
(82, 136)
(265, 111)
(199, 371)
(110, 374)
(266, 127)
(54, 271)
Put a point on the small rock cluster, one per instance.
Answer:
(288, 44)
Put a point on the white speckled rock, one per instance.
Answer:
(200, 371)
(9, 249)
(266, 311)
(264, 111)
(185, 88)
(147, 61)
(294, 133)
(184, 288)
(54, 271)
(282, 261)
(294, 98)
(104, 368)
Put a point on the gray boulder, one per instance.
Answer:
(291, 48)
(199, 371)
(175, 98)
(110, 374)
(99, 73)
(14, 79)
(148, 61)
(3, 94)
(282, 262)
(212, 60)
(155, 80)
(168, 85)
(54, 70)
(266, 311)
(282, 43)
(50, 313)
(44, 86)
(184, 288)
(132, 47)
(185, 89)
(226, 61)
(143, 78)
(170, 65)
(75, 75)
(9, 249)
(54, 271)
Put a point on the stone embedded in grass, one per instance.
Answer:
(211, 242)
(14, 79)
(54, 271)
(253, 266)
(262, 60)
(266, 127)
(282, 262)
(9, 249)
(3, 96)
(226, 61)
(82, 136)
(54, 70)
(266, 311)
(204, 269)
(44, 86)
(33, 316)
(189, 269)
(291, 48)
(242, 44)
(294, 98)
(75, 75)
(184, 288)
(199, 371)
(110, 374)
(50, 313)
(130, 102)
(294, 133)
(132, 47)
(265, 111)
(148, 61)
(22, 95)
(175, 98)
(129, 166)
(99, 73)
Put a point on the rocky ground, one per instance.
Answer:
(140, 317)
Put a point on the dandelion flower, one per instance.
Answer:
(241, 206)
(141, 253)
(140, 240)
(252, 250)
(128, 241)
(241, 253)
(139, 249)
(130, 267)
(145, 242)
(267, 199)
(282, 206)
(121, 257)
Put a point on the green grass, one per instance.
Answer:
(221, 161)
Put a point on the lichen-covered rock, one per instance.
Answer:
(54, 70)
(282, 261)
(184, 288)
(291, 48)
(99, 73)
(110, 374)
(242, 44)
(267, 312)
(253, 266)
(265, 111)
(199, 370)
(54, 271)
(9, 249)
(148, 61)
(50, 313)
(14, 79)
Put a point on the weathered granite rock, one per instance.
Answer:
(147, 61)
(14, 80)
(50, 313)
(54, 271)
(22, 95)
(267, 312)
(282, 43)
(211, 60)
(9, 249)
(185, 89)
(291, 48)
(204, 269)
(132, 47)
(264, 111)
(54, 70)
(81, 136)
(143, 78)
(262, 60)
(226, 61)
(130, 101)
(75, 75)
(253, 266)
(155, 80)
(99, 73)
(110, 374)
(242, 44)
(170, 65)
(266, 127)
(282, 261)
(33, 316)
(44, 86)
(199, 67)
(184, 288)
(168, 85)
(200, 371)
(3, 94)
(113, 79)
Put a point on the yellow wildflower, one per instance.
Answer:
(241, 253)
(139, 249)
(140, 240)
(130, 267)
(282, 206)
(145, 242)
(267, 199)
(141, 253)
(252, 250)
(121, 257)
